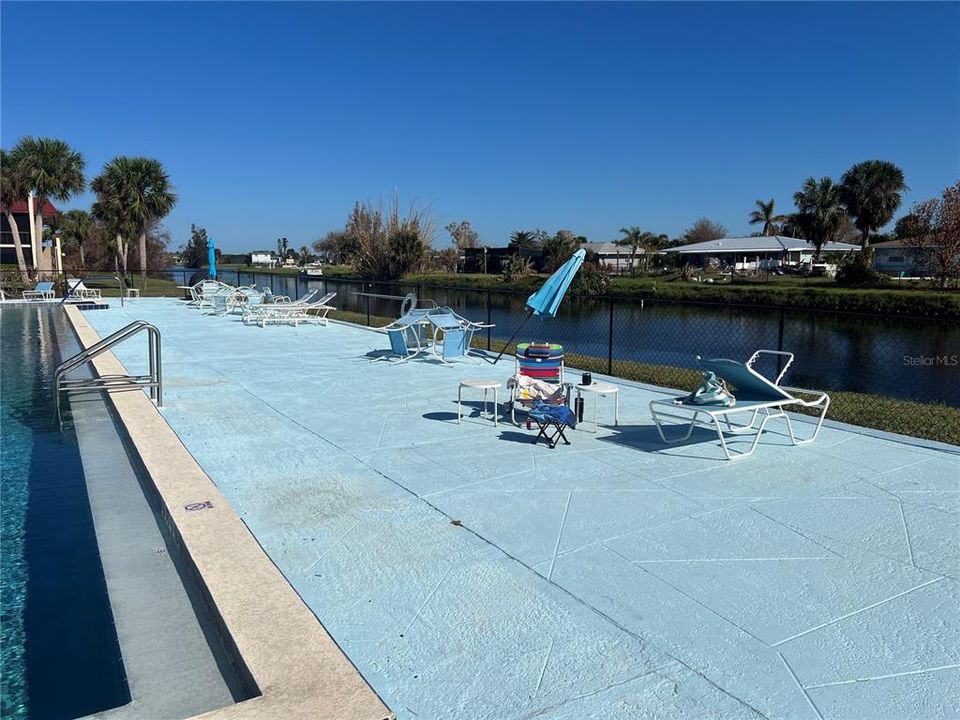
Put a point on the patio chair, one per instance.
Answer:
(538, 377)
(202, 293)
(41, 291)
(754, 393)
(452, 334)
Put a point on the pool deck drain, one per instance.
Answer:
(469, 573)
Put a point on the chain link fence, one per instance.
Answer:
(891, 373)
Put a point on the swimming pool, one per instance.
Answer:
(60, 655)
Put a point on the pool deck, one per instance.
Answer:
(469, 573)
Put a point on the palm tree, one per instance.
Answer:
(871, 191)
(633, 239)
(51, 169)
(12, 189)
(522, 239)
(132, 194)
(764, 215)
(820, 212)
(78, 225)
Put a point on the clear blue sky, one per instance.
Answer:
(273, 118)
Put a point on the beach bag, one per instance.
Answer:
(711, 393)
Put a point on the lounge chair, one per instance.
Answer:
(754, 393)
(294, 313)
(76, 290)
(452, 334)
(538, 377)
(42, 291)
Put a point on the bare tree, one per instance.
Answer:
(464, 236)
(704, 229)
(934, 232)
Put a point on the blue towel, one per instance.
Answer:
(542, 411)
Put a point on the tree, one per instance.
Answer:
(78, 226)
(282, 247)
(559, 248)
(406, 252)
(521, 239)
(132, 194)
(12, 190)
(194, 252)
(934, 234)
(464, 236)
(703, 230)
(765, 215)
(820, 212)
(373, 230)
(632, 238)
(871, 192)
(337, 247)
(51, 169)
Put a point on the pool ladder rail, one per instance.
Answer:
(110, 383)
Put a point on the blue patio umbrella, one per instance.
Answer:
(212, 257)
(546, 301)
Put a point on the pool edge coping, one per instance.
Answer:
(295, 664)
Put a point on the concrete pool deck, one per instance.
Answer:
(469, 573)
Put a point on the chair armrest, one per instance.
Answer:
(782, 353)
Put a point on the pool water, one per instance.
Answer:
(60, 656)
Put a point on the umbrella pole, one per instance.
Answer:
(510, 341)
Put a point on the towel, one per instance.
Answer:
(557, 413)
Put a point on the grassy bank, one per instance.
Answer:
(932, 421)
(790, 292)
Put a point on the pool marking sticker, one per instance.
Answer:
(192, 507)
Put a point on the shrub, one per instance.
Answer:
(855, 272)
(517, 267)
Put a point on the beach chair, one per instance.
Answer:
(452, 334)
(538, 376)
(269, 302)
(76, 290)
(296, 312)
(756, 396)
(41, 291)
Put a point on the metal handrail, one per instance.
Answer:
(154, 380)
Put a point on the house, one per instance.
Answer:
(896, 258)
(753, 253)
(263, 258)
(496, 258)
(39, 256)
(612, 257)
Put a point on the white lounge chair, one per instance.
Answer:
(251, 313)
(296, 313)
(755, 394)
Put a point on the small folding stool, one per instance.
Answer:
(551, 427)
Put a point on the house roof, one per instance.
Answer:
(21, 207)
(762, 244)
(888, 244)
(606, 248)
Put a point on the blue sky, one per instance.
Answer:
(274, 118)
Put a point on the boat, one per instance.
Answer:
(312, 270)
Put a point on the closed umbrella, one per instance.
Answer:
(546, 301)
(212, 258)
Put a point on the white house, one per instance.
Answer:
(754, 253)
(263, 258)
